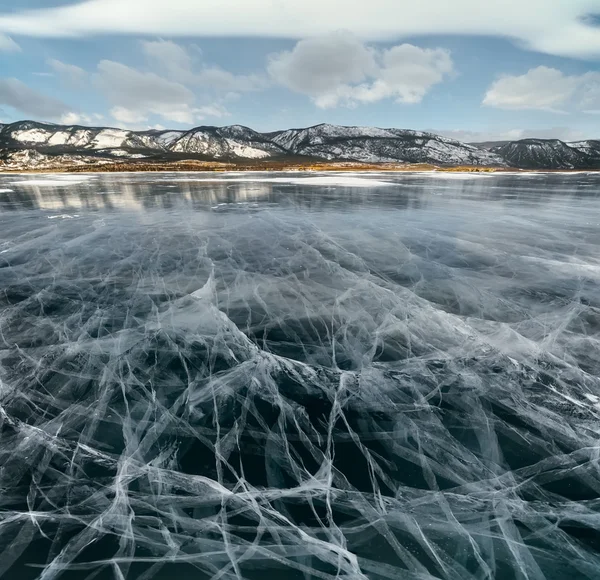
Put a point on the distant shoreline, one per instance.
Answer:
(207, 167)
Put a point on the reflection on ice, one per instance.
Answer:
(298, 383)
(60, 181)
(325, 180)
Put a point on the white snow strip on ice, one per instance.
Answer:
(64, 216)
(448, 175)
(521, 173)
(63, 182)
(568, 172)
(331, 181)
(6, 191)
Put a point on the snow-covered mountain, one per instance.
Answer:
(226, 143)
(590, 147)
(59, 144)
(372, 145)
(550, 154)
(33, 135)
(17, 159)
(212, 142)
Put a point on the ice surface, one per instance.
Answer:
(304, 383)
(456, 175)
(321, 180)
(330, 181)
(62, 181)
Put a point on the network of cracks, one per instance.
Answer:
(270, 398)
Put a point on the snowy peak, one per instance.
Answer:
(373, 144)
(227, 143)
(590, 147)
(42, 136)
(320, 142)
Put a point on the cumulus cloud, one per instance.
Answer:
(590, 93)
(128, 117)
(187, 89)
(218, 111)
(135, 94)
(540, 88)
(16, 94)
(73, 118)
(180, 64)
(559, 27)
(7, 44)
(340, 69)
(321, 65)
(71, 74)
(546, 89)
(170, 58)
(220, 80)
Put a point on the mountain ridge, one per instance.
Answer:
(48, 143)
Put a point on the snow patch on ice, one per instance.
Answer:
(61, 182)
(454, 175)
(332, 181)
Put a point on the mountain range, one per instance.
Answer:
(30, 144)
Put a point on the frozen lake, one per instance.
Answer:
(300, 376)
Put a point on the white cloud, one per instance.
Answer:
(135, 95)
(340, 69)
(320, 65)
(7, 44)
(170, 58)
(558, 27)
(408, 73)
(540, 88)
(73, 118)
(590, 92)
(546, 89)
(218, 111)
(220, 80)
(73, 75)
(180, 65)
(179, 87)
(16, 94)
(128, 117)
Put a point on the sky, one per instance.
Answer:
(472, 70)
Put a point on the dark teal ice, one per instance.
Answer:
(298, 377)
